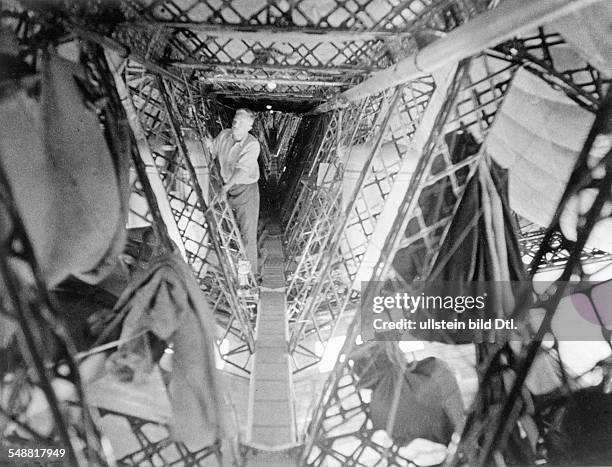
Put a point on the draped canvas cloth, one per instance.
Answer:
(537, 135)
(69, 191)
(423, 399)
(479, 254)
(167, 301)
(582, 429)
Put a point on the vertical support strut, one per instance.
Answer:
(146, 156)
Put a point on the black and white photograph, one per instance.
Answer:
(305, 233)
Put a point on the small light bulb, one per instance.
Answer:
(271, 85)
(269, 107)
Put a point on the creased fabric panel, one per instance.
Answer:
(420, 400)
(62, 176)
(479, 254)
(537, 135)
(166, 300)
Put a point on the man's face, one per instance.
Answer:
(241, 125)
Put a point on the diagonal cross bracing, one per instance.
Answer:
(208, 231)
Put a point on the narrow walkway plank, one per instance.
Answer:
(271, 413)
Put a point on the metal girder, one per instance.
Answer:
(278, 33)
(328, 257)
(309, 234)
(288, 133)
(509, 19)
(185, 47)
(34, 330)
(309, 138)
(222, 229)
(467, 97)
(160, 452)
(499, 425)
(377, 33)
(275, 132)
(320, 287)
(162, 212)
(207, 231)
(344, 16)
(305, 193)
(326, 242)
(331, 423)
(530, 240)
(584, 85)
(265, 81)
(43, 404)
(323, 70)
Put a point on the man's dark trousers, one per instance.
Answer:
(244, 200)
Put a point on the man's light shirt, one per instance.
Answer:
(238, 157)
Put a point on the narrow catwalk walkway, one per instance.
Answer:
(271, 412)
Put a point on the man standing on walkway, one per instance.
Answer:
(237, 152)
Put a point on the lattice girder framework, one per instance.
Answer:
(424, 230)
(164, 451)
(299, 159)
(320, 190)
(275, 132)
(309, 307)
(35, 331)
(530, 239)
(41, 365)
(428, 234)
(297, 222)
(207, 230)
(311, 222)
(288, 134)
(300, 52)
(327, 272)
(148, 196)
(317, 66)
(473, 96)
(371, 194)
(43, 403)
(307, 236)
(441, 176)
(592, 171)
(546, 54)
